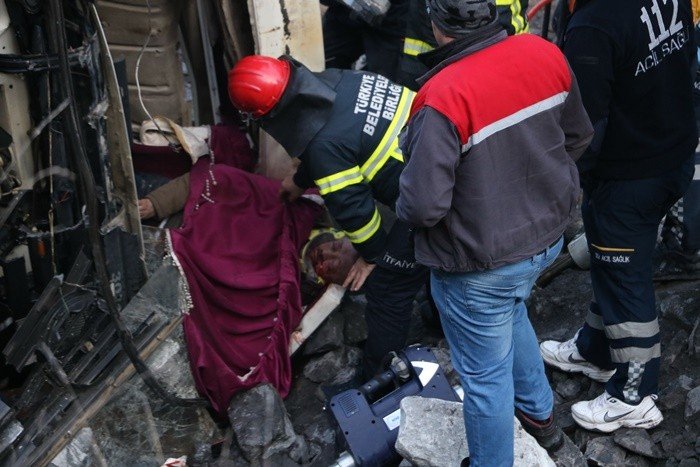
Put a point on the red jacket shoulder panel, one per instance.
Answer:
(496, 82)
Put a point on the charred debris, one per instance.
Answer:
(84, 297)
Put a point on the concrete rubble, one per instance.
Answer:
(432, 435)
(136, 429)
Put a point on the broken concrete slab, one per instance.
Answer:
(637, 441)
(432, 434)
(263, 429)
(569, 388)
(692, 404)
(335, 367)
(329, 336)
(604, 452)
(568, 455)
(82, 450)
(353, 308)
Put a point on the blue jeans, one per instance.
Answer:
(495, 351)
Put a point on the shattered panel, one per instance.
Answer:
(126, 24)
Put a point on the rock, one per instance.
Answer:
(604, 452)
(568, 455)
(677, 346)
(569, 388)
(443, 357)
(690, 462)
(80, 451)
(355, 329)
(557, 398)
(560, 376)
(527, 451)
(692, 404)
(678, 446)
(263, 429)
(582, 437)
(657, 435)
(562, 415)
(335, 367)
(328, 336)
(674, 395)
(682, 304)
(171, 366)
(637, 441)
(432, 434)
(595, 390)
(636, 461)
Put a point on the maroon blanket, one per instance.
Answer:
(240, 255)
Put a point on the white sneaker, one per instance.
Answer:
(565, 356)
(606, 413)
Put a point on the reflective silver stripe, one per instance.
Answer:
(514, 119)
(696, 175)
(594, 321)
(637, 354)
(631, 329)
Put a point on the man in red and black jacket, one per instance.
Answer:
(490, 184)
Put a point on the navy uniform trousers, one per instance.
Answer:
(390, 291)
(621, 332)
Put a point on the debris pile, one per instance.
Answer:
(136, 429)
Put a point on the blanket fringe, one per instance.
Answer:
(184, 299)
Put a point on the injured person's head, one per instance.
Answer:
(328, 256)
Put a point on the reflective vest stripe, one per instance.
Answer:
(389, 145)
(339, 180)
(516, 17)
(414, 47)
(365, 232)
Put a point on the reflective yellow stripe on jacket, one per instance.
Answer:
(517, 18)
(414, 47)
(365, 232)
(389, 145)
(339, 180)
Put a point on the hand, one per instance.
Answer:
(289, 191)
(146, 209)
(358, 274)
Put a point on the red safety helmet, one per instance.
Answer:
(256, 83)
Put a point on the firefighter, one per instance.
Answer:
(420, 39)
(348, 34)
(343, 125)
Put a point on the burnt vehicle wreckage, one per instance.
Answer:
(77, 220)
(94, 370)
(85, 295)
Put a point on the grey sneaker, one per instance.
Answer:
(566, 357)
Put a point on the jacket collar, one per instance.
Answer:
(447, 54)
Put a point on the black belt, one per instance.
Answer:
(552, 245)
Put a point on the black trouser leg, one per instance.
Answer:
(390, 291)
(342, 38)
(390, 297)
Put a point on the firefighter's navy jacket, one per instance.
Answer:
(354, 159)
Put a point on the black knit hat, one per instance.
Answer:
(461, 17)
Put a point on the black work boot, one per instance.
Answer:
(546, 432)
